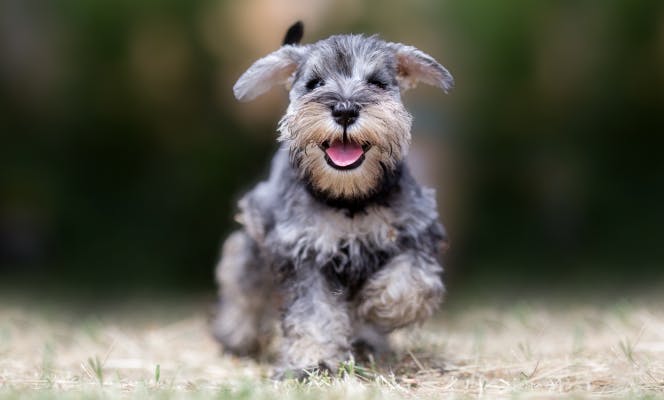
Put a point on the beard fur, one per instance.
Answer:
(384, 126)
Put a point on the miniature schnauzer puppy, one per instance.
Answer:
(340, 242)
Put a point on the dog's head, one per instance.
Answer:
(346, 126)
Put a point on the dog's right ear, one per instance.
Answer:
(274, 69)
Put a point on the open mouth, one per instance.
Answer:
(344, 155)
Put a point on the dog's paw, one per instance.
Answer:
(323, 369)
(405, 291)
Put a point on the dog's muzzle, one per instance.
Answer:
(344, 154)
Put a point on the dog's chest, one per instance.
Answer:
(347, 250)
(332, 231)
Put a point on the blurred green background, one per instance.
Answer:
(123, 151)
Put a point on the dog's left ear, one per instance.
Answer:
(414, 66)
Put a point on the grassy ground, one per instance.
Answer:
(518, 351)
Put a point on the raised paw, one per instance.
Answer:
(406, 291)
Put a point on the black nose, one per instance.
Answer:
(345, 113)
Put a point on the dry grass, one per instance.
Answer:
(519, 351)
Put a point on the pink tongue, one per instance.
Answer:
(344, 154)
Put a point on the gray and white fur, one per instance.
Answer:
(342, 255)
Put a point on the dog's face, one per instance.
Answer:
(346, 127)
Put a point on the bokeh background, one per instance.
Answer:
(123, 152)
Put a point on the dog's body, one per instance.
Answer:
(340, 237)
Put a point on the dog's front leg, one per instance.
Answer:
(316, 326)
(408, 289)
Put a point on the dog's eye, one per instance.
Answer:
(377, 82)
(314, 83)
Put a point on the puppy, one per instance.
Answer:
(340, 243)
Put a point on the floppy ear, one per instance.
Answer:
(273, 69)
(414, 66)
